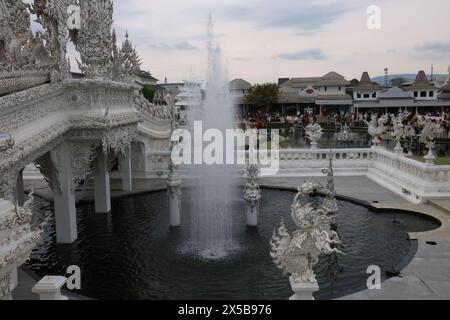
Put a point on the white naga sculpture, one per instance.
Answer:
(345, 134)
(377, 128)
(314, 132)
(298, 254)
(399, 129)
(252, 195)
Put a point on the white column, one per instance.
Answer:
(102, 184)
(64, 197)
(49, 288)
(125, 167)
(174, 193)
(20, 189)
(303, 291)
(252, 214)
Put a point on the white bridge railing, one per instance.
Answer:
(415, 181)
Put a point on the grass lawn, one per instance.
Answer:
(440, 161)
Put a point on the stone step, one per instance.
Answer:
(443, 205)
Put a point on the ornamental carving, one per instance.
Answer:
(298, 254)
(94, 39)
(252, 191)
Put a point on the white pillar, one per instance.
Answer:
(303, 290)
(14, 278)
(174, 193)
(125, 167)
(252, 214)
(64, 197)
(102, 184)
(20, 189)
(49, 288)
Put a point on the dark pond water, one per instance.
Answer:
(132, 253)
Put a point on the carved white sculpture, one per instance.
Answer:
(314, 132)
(297, 255)
(429, 133)
(346, 134)
(399, 129)
(377, 128)
(94, 40)
(17, 239)
(252, 195)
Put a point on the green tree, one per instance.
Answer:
(148, 91)
(262, 96)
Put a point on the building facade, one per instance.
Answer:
(325, 95)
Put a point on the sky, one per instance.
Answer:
(263, 40)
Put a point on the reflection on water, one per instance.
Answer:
(133, 254)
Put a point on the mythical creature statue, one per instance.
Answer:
(24, 59)
(429, 133)
(314, 132)
(399, 128)
(377, 127)
(298, 255)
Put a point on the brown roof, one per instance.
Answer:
(300, 82)
(239, 84)
(421, 83)
(444, 92)
(366, 84)
(332, 79)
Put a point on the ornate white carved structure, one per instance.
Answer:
(314, 132)
(345, 134)
(72, 129)
(377, 128)
(298, 254)
(252, 195)
(398, 129)
(429, 133)
(17, 239)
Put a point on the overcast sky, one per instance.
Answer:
(263, 40)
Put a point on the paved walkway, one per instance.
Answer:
(427, 277)
(359, 187)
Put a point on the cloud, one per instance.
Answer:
(301, 15)
(184, 46)
(181, 46)
(433, 50)
(309, 54)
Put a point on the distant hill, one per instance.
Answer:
(410, 77)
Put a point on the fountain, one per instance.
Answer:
(211, 194)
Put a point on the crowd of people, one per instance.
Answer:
(414, 123)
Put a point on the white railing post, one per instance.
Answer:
(49, 288)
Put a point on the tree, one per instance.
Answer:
(262, 96)
(148, 91)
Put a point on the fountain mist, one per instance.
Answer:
(211, 193)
